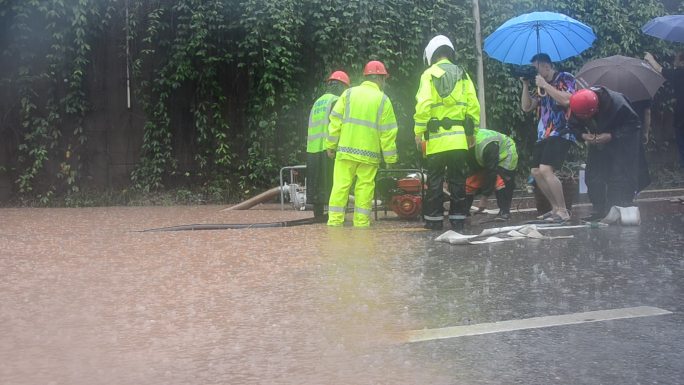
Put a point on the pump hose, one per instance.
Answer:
(226, 226)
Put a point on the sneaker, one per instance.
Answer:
(502, 217)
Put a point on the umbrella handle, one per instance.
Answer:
(540, 91)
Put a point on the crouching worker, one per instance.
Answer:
(362, 133)
(495, 160)
(607, 123)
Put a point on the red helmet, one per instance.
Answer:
(584, 103)
(375, 67)
(340, 76)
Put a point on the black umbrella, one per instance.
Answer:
(634, 78)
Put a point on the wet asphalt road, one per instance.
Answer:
(85, 299)
(598, 269)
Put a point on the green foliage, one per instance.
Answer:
(190, 47)
(226, 85)
(270, 52)
(51, 123)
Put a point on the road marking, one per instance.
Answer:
(532, 323)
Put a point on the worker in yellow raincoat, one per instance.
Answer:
(361, 134)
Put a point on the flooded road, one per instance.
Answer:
(86, 298)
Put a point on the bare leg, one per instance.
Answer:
(543, 186)
(555, 189)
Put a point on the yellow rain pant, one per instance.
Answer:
(343, 177)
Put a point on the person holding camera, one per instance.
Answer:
(551, 101)
(447, 113)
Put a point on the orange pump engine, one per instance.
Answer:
(404, 195)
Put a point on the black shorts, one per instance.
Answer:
(551, 152)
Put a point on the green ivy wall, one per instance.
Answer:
(220, 89)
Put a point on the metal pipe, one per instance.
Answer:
(128, 70)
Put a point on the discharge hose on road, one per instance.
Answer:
(227, 226)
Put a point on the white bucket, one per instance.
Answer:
(582, 181)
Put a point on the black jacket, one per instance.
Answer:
(615, 116)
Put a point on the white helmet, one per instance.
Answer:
(432, 46)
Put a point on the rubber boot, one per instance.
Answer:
(630, 216)
(469, 202)
(434, 225)
(503, 201)
(457, 225)
(319, 217)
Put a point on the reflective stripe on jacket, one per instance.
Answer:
(460, 103)
(318, 123)
(508, 155)
(363, 127)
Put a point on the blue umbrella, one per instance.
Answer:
(524, 36)
(666, 27)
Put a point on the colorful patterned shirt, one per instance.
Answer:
(552, 115)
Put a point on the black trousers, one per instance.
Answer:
(319, 180)
(504, 197)
(450, 166)
(612, 174)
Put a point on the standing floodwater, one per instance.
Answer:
(86, 299)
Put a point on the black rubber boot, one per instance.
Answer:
(503, 200)
(433, 225)
(469, 202)
(319, 217)
(457, 224)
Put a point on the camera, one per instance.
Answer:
(525, 72)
